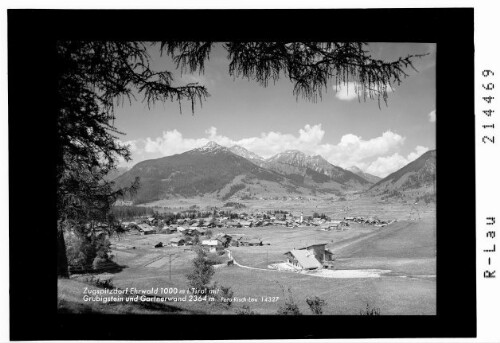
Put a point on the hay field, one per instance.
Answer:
(407, 248)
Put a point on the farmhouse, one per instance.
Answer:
(212, 245)
(145, 229)
(328, 226)
(250, 242)
(177, 242)
(318, 250)
(303, 259)
(225, 239)
(245, 223)
(168, 229)
(198, 231)
(233, 224)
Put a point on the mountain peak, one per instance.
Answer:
(354, 169)
(288, 154)
(241, 151)
(211, 146)
(294, 152)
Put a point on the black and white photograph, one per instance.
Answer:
(227, 174)
(247, 178)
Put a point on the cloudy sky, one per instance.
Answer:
(270, 120)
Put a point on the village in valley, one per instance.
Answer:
(331, 252)
(201, 231)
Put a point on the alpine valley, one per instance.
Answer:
(217, 172)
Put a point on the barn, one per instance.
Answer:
(145, 229)
(212, 245)
(177, 242)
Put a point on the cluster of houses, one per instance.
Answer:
(154, 225)
(219, 242)
(199, 226)
(370, 220)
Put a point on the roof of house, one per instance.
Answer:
(305, 258)
(250, 240)
(312, 245)
(211, 242)
(336, 221)
(145, 227)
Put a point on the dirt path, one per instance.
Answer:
(242, 266)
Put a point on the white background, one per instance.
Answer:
(487, 46)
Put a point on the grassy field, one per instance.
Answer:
(406, 248)
(392, 295)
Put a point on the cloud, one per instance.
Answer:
(432, 116)
(347, 93)
(172, 142)
(353, 150)
(386, 165)
(350, 150)
(351, 91)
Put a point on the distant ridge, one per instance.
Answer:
(368, 177)
(219, 172)
(251, 156)
(294, 162)
(209, 170)
(419, 174)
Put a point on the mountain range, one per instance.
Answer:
(219, 172)
(419, 175)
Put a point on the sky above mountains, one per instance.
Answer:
(271, 120)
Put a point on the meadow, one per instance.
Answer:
(406, 249)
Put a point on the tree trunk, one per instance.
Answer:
(62, 258)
